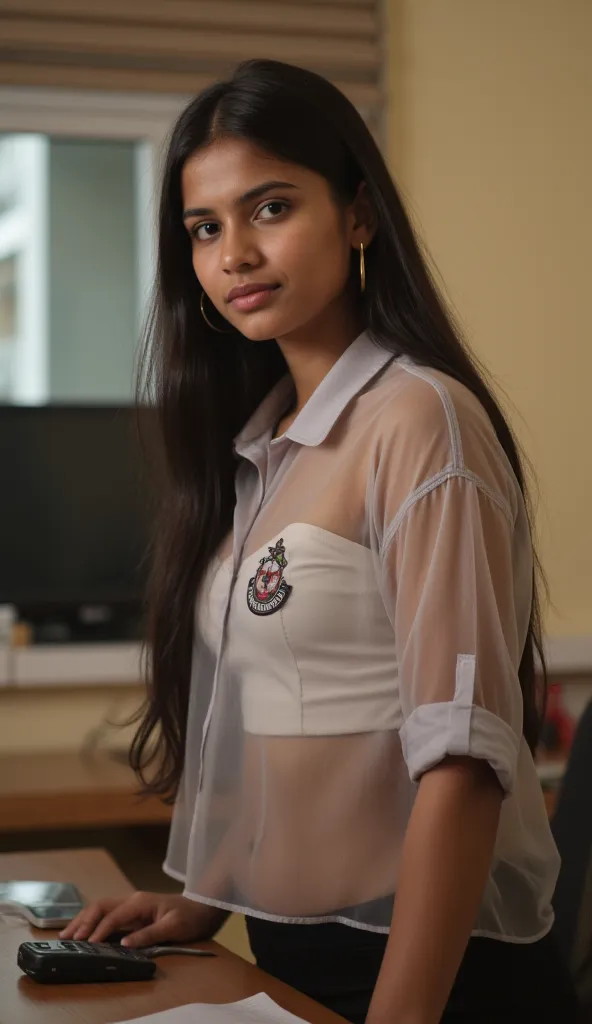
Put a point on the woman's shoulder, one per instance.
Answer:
(413, 397)
(429, 423)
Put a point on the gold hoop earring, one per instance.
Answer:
(362, 269)
(218, 330)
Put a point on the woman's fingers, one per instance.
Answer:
(120, 918)
(147, 917)
(159, 931)
(84, 922)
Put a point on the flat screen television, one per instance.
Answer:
(75, 514)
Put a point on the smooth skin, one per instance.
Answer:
(294, 235)
(255, 219)
(151, 917)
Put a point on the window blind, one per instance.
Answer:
(180, 46)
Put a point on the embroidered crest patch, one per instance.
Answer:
(268, 589)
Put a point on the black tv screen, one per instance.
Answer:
(75, 509)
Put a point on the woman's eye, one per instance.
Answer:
(272, 209)
(204, 231)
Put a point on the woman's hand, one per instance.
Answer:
(150, 917)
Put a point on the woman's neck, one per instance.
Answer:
(313, 350)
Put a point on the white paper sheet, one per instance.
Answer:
(259, 1009)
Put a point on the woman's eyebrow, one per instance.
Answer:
(253, 193)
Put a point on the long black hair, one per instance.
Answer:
(205, 387)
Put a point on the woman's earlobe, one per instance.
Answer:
(365, 221)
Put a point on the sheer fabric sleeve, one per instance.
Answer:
(456, 570)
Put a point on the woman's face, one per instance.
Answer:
(271, 248)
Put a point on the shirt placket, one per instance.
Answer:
(249, 501)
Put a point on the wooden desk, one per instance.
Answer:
(178, 980)
(42, 791)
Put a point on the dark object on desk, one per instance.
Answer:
(154, 951)
(572, 829)
(61, 961)
(114, 938)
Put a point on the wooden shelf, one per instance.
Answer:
(51, 791)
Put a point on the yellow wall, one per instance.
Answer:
(490, 138)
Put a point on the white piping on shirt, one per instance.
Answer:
(517, 940)
(260, 832)
(451, 417)
(296, 667)
(467, 474)
(448, 473)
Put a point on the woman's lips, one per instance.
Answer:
(254, 299)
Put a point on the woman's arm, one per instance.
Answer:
(444, 867)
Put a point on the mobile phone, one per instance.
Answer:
(43, 904)
(63, 961)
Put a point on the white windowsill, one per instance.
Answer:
(71, 665)
(119, 663)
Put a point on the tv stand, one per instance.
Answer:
(82, 622)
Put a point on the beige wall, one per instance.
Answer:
(490, 138)
(63, 719)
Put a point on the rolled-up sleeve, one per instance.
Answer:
(456, 598)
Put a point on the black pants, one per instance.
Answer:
(498, 982)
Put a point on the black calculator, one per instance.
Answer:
(58, 961)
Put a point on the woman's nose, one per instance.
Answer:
(239, 252)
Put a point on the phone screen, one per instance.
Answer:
(54, 911)
(46, 899)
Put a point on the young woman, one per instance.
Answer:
(342, 695)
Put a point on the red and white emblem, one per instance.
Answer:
(268, 589)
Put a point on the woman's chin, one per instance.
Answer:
(261, 327)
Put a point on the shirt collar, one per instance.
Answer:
(360, 362)
(265, 417)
